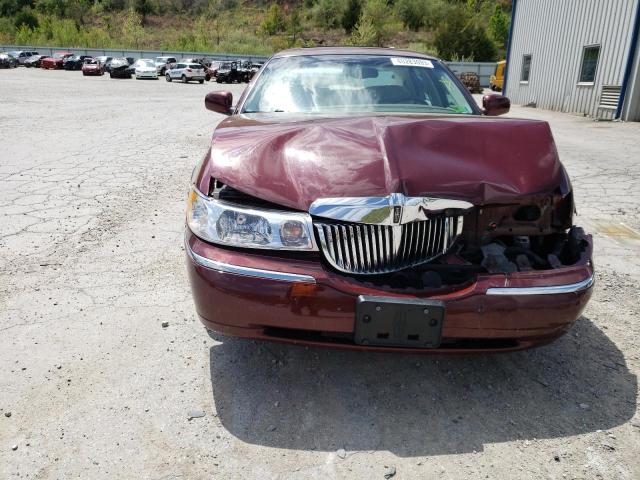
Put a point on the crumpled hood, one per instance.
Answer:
(294, 161)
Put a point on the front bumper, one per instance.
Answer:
(146, 74)
(300, 301)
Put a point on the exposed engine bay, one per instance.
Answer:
(536, 234)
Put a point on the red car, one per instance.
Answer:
(91, 66)
(359, 198)
(55, 61)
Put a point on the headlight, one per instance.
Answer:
(226, 223)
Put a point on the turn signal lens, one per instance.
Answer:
(293, 233)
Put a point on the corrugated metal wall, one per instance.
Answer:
(554, 33)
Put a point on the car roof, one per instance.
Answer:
(296, 52)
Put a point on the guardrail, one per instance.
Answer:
(113, 52)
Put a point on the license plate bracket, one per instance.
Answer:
(398, 322)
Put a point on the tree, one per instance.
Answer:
(412, 13)
(351, 15)
(377, 19)
(274, 22)
(294, 29)
(326, 13)
(143, 8)
(132, 31)
(460, 36)
(26, 18)
(499, 26)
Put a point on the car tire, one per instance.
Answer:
(110, 75)
(200, 82)
(167, 77)
(218, 80)
(184, 79)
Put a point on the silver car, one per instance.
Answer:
(186, 72)
(145, 68)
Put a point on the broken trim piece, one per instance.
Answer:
(546, 290)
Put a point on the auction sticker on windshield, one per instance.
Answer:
(411, 62)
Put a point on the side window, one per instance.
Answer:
(589, 65)
(526, 68)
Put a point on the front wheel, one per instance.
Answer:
(167, 77)
(201, 82)
(110, 75)
(184, 79)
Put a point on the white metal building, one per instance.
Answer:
(577, 56)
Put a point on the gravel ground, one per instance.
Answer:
(93, 177)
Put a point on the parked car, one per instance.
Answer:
(54, 61)
(228, 73)
(92, 66)
(244, 70)
(119, 68)
(163, 63)
(74, 62)
(7, 61)
(132, 65)
(22, 56)
(145, 68)
(255, 68)
(103, 59)
(186, 72)
(34, 61)
(360, 198)
(212, 70)
(497, 79)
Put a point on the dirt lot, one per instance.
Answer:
(93, 176)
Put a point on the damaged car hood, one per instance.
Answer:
(293, 161)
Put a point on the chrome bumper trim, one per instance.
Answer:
(546, 290)
(247, 271)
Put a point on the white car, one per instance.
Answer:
(145, 68)
(186, 72)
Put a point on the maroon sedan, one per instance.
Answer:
(91, 66)
(359, 198)
(54, 61)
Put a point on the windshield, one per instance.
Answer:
(356, 83)
(145, 63)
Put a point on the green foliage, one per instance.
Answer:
(327, 13)
(454, 28)
(460, 35)
(274, 22)
(26, 18)
(132, 31)
(422, 47)
(412, 13)
(377, 24)
(499, 26)
(351, 15)
(143, 8)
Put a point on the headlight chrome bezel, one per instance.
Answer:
(204, 212)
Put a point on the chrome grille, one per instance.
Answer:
(370, 249)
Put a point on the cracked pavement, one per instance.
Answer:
(93, 178)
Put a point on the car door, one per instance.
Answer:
(176, 72)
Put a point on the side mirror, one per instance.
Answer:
(495, 105)
(219, 102)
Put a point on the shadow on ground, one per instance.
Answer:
(414, 405)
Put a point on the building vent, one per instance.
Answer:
(609, 96)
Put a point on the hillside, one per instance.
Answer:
(453, 29)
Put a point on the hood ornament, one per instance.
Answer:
(394, 209)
